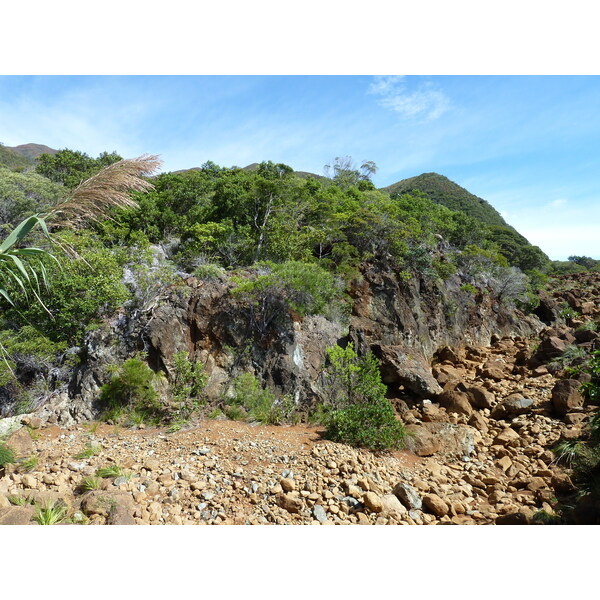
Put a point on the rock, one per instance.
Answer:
(479, 396)
(477, 421)
(392, 506)
(585, 512)
(122, 514)
(550, 347)
(434, 504)
(289, 502)
(446, 438)
(31, 421)
(362, 518)
(17, 515)
(587, 308)
(287, 484)
(407, 367)
(408, 495)
(8, 425)
(29, 481)
(494, 369)
(423, 442)
(455, 401)
(512, 406)
(508, 437)
(566, 396)
(21, 443)
(562, 483)
(105, 503)
(515, 518)
(319, 513)
(373, 502)
(505, 463)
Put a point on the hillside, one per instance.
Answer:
(32, 151)
(23, 156)
(401, 360)
(443, 191)
(439, 189)
(13, 160)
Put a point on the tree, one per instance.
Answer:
(345, 174)
(22, 268)
(585, 261)
(71, 167)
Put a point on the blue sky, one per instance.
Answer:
(528, 145)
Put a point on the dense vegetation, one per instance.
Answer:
(439, 189)
(575, 264)
(12, 160)
(288, 242)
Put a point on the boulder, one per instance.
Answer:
(408, 495)
(402, 366)
(507, 437)
(515, 518)
(373, 502)
(479, 422)
(479, 397)
(21, 443)
(455, 401)
(17, 515)
(427, 439)
(434, 504)
(392, 506)
(566, 396)
(289, 502)
(512, 406)
(106, 503)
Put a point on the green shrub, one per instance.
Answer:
(372, 425)
(350, 379)
(187, 387)
(81, 290)
(110, 471)
(90, 450)
(443, 269)
(359, 413)
(131, 390)
(25, 194)
(471, 289)
(570, 356)
(90, 483)
(51, 513)
(27, 345)
(566, 312)
(275, 288)
(7, 456)
(208, 272)
(189, 379)
(29, 464)
(258, 403)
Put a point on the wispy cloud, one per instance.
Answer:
(426, 101)
(557, 203)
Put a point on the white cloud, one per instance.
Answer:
(557, 203)
(425, 101)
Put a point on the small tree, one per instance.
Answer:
(362, 415)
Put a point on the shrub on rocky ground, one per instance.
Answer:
(250, 400)
(361, 415)
(7, 455)
(131, 393)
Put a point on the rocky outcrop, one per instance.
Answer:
(403, 322)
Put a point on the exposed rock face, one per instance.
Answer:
(403, 323)
(424, 316)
